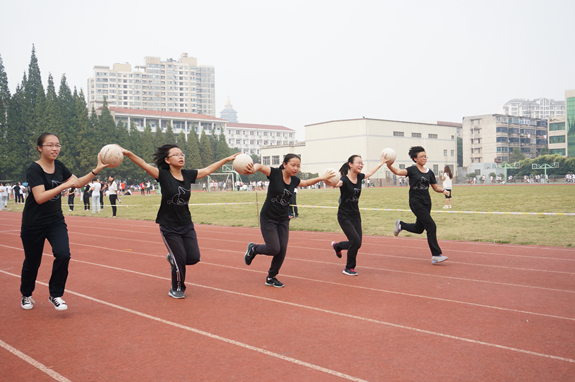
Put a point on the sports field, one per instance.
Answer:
(462, 222)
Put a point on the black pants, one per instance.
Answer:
(276, 237)
(351, 227)
(101, 199)
(182, 244)
(293, 210)
(71, 202)
(86, 202)
(33, 239)
(113, 198)
(19, 198)
(424, 222)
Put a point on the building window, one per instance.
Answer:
(398, 133)
(432, 136)
(556, 126)
(452, 152)
(266, 161)
(276, 160)
(416, 135)
(557, 139)
(444, 153)
(557, 151)
(436, 169)
(401, 166)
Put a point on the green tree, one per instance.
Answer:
(222, 149)
(67, 107)
(459, 152)
(17, 149)
(159, 138)
(193, 159)
(206, 150)
(148, 148)
(87, 149)
(516, 155)
(4, 103)
(169, 135)
(107, 125)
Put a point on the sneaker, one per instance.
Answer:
(290, 216)
(59, 304)
(169, 258)
(27, 302)
(272, 281)
(176, 294)
(249, 256)
(397, 229)
(438, 259)
(337, 253)
(349, 272)
(445, 206)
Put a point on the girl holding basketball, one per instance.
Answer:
(420, 179)
(174, 218)
(274, 216)
(42, 220)
(348, 214)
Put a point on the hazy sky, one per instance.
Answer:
(295, 63)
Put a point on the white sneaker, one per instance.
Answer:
(397, 229)
(446, 206)
(27, 302)
(438, 259)
(59, 304)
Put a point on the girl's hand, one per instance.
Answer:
(250, 169)
(100, 165)
(232, 157)
(328, 175)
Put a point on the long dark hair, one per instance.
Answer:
(161, 154)
(414, 151)
(287, 158)
(345, 168)
(447, 170)
(42, 138)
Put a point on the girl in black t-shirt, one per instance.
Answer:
(42, 220)
(420, 179)
(348, 214)
(174, 216)
(274, 216)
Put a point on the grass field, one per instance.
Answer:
(515, 229)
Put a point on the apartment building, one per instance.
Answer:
(172, 86)
(541, 108)
(250, 138)
(491, 138)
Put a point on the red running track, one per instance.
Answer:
(492, 312)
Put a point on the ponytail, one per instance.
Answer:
(345, 167)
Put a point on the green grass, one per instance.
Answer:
(514, 229)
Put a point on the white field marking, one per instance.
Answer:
(209, 335)
(33, 362)
(345, 315)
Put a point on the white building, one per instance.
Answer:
(541, 108)
(250, 138)
(330, 144)
(172, 86)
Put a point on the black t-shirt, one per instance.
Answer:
(51, 211)
(349, 195)
(276, 206)
(419, 183)
(174, 210)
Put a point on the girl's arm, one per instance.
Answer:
(397, 171)
(311, 182)
(436, 188)
(203, 172)
(153, 171)
(42, 196)
(373, 170)
(89, 176)
(252, 168)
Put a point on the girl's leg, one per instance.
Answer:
(351, 227)
(33, 243)
(173, 238)
(425, 220)
(57, 235)
(282, 230)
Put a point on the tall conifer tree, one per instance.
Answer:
(169, 135)
(206, 152)
(148, 148)
(194, 159)
(4, 104)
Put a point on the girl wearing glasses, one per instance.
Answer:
(42, 220)
(420, 179)
(174, 218)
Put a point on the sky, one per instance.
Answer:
(297, 63)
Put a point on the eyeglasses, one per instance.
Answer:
(177, 155)
(422, 157)
(51, 145)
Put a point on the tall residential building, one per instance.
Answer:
(542, 108)
(491, 138)
(172, 86)
(570, 121)
(229, 114)
(250, 138)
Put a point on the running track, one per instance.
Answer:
(492, 312)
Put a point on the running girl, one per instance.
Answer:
(174, 218)
(348, 214)
(274, 216)
(42, 220)
(420, 178)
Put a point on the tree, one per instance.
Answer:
(147, 144)
(4, 102)
(206, 150)
(222, 149)
(17, 148)
(67, 106)
(107, 125)
(169, 136)
(159, 138)
(193, 159)
(516, 155)
(87, 150)
(459, 152)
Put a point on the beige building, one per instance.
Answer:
(557, 136)
(329, 144)
(173, 86)
(250, 137)
(491, 138)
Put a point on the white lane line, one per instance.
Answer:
(207, 334)
(409, 328)
(33, 362)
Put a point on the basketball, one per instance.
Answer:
(334, 179)
(111, 155)
(389, 155)
(241, 162)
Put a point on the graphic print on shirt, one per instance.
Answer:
(176, 199)
(284, 199)
(55, 184)
(355, 197)
(423, 184)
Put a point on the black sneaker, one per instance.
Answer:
(272, 281)
(249, 256)
(349, 272)
(27, 302)
(337, 253)
(59, 304)
(176, 294)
